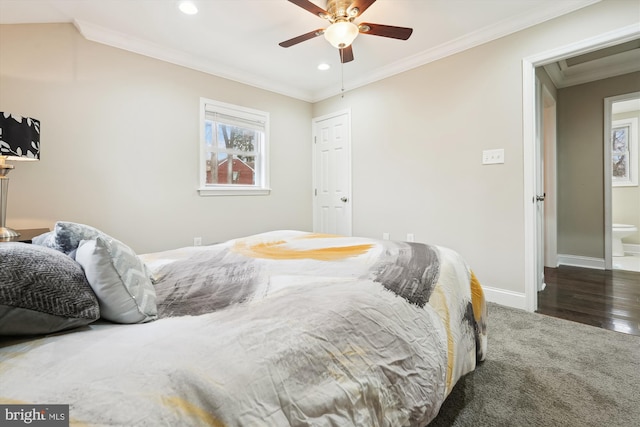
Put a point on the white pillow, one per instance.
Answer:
(119, 279)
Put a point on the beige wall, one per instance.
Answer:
(120, 144)
(431, 124)
(625, 201)
(581, 163)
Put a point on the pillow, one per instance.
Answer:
(42, 291)
(119, 279)
(45, 239)
(66, 236)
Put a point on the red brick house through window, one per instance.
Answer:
(238, 172)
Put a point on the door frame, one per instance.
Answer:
(608, 181)
(314, 183)
(529, 118)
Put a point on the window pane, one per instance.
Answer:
(240, 170)
(208, 133)
(620, 167)
(212, 169)
(236, 138)
(620, 139)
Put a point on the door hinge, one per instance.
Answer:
(315, 192)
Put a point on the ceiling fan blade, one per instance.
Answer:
(302, 38)
(362, 5)
(308, 6)
(390, 31)
(346, 54)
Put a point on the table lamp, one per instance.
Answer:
(19, 140)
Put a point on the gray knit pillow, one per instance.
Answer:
(42, 291)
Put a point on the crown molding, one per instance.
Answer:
(119, 40)
(126, 42)
(469, 41)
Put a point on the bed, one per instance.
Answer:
(275, 329)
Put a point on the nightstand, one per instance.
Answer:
(25, 235)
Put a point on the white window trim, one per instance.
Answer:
(226, 189)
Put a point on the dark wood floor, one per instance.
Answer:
(608, 299)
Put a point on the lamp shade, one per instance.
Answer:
(19, 137)
(341, 34)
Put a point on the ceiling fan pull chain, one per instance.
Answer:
(342, 73)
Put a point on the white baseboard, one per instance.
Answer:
(581, 261)
(504, 297)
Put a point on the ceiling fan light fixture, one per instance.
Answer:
(341, 34)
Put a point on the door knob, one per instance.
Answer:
(344, 199)
(540, 198)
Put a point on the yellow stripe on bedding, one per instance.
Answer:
(477, 298)
(278, 250)
(321, 236)
(192, 411)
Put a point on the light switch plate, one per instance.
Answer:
(493, 157)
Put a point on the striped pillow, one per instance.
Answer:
(119, 279)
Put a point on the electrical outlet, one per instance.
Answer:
(492, 157)
(410, 237)
(385, 236)
(197, 241)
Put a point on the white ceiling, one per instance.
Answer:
(238, 39)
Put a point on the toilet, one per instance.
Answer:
(619, 232)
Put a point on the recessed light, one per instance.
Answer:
(324, 66)
(188, 7)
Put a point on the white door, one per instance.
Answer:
(332, 173)
(539, 190)
(550, 178)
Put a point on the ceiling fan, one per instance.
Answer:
(342, 30)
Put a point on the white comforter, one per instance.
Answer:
(278, 329)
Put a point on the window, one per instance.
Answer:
(233, 150)
(624, 152)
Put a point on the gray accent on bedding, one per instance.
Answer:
(204, 283)
(214, 279)
(412, 274)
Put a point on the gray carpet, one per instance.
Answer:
(543, 371)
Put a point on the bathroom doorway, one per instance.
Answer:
(622, 116)
(613, 39)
